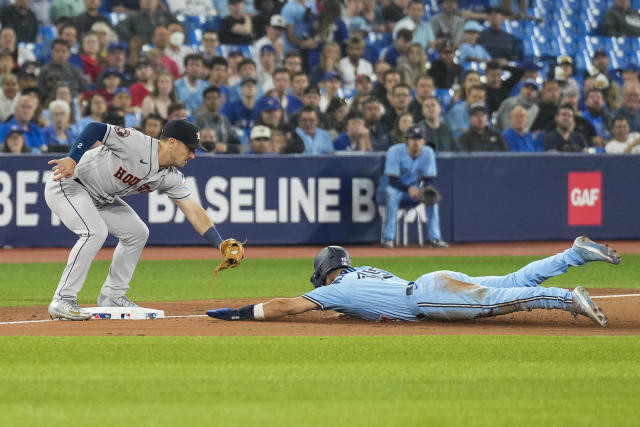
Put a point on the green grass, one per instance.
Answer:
(320, 381)
(33, 284)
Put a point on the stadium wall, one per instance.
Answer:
(331, 199)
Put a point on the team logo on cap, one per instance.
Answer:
(198, 135)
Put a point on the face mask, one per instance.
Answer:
(176, 39)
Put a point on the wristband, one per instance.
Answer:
(258, 312)
(246, 312)
(213, 236)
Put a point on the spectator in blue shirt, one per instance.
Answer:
(240, 112)
(246, 69)
(458, 116)
(356, 137)
(516, 137)
(298, 14)
(400, 46)
(59, 132)
(470, 50)
(308, 138)
(190, 88)
(22, 120)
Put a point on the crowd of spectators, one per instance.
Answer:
(304, 76)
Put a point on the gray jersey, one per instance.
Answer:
(127, 163)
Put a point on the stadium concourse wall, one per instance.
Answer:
(331, 199)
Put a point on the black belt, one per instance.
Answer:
(410, 288)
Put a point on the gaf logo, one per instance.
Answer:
(585, 198)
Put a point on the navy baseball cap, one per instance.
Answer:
(530, 66)
(267, 48)
(271, 103)
(122, 89)
(248, 80)
(117, 45)
(415, 131)
(531, 82)
(111, 71)
(184, 131)
(331, 75)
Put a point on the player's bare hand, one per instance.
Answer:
(414, 192)
(62, 168)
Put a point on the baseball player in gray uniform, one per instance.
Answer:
(86, 190)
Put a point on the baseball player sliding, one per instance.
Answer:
(374, 294)
(85, 191)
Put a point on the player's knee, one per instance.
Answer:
(99, 234)
(139, 235)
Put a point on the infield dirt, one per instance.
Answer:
(622, 312)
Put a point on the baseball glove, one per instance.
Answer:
(232, 254)
(430, 195)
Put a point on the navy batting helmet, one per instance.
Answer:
(326, 261)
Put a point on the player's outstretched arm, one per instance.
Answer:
(271, 309)
(195, 214)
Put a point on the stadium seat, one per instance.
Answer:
(407, 214)
(115, 18)
(444, 97)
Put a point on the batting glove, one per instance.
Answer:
(243, 313)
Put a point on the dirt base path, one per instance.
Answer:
(622, 313)
(207, 252)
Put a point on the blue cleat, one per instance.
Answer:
(582, 304)
(588, 251)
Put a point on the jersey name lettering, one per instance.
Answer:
(144, 188)
(373, 273)
(126, 177)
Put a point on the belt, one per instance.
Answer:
(410, 288)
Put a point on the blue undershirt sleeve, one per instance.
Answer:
(395, 182)
(93, 132)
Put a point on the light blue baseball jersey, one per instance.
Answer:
(399, 163)
(375, 294)
(366, 292)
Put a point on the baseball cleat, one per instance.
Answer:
(588, 251)
(387, 244)
(437, 243)
(67, 309)
(582, 304)
(115, 301)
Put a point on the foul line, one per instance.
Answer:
(187, 316)
(615, 296)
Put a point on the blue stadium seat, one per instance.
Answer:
(46, 34)
(246, 50)
(115, 17)
(444, 97)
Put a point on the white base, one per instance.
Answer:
(130, 313)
